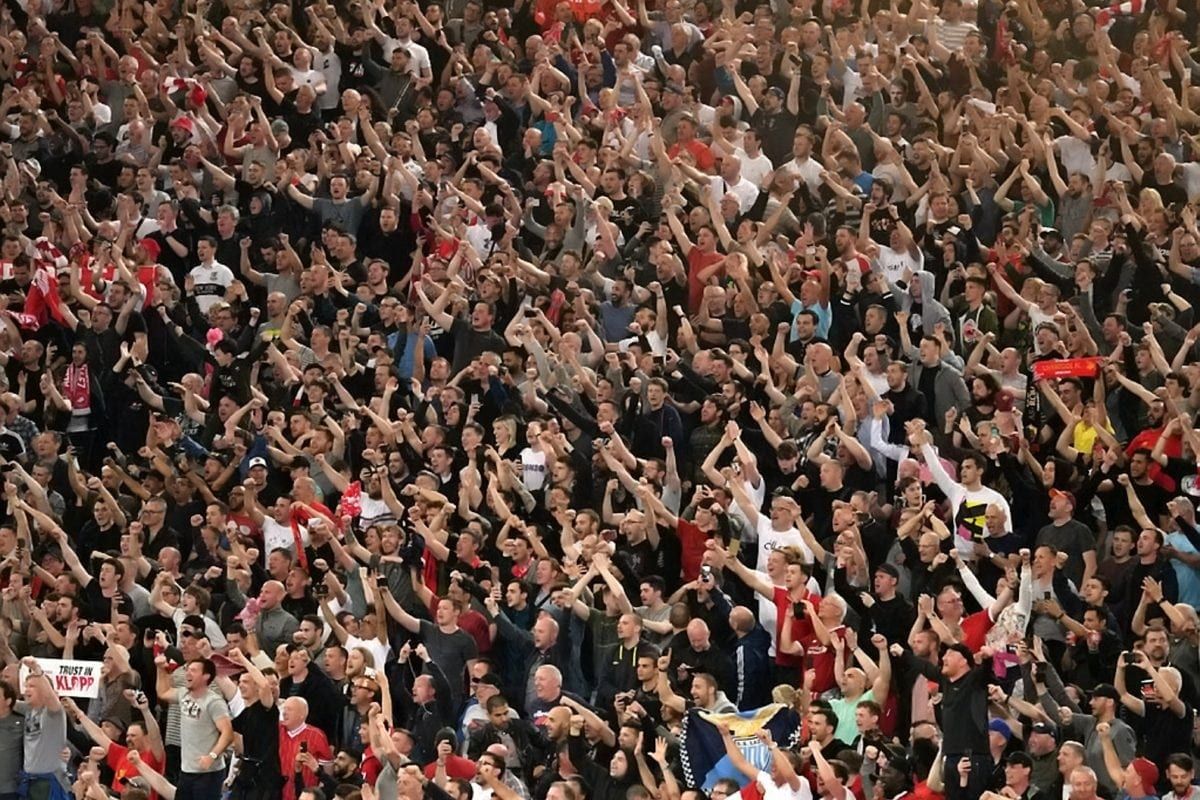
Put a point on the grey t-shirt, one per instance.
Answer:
(45, 737)
(12, 751)
(451, 652)
(198, 730)
(348, 214)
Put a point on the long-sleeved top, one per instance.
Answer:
(752, 669)
(274, 626)
(968, 505)
(963, 712)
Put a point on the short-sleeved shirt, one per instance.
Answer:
(123, 770)
(45, 737)
(198, 730)
(348, 214)
(209, 284)
(450, 651)
(469, 343)
(12, 751)
(774, 791)
(1074, 539)
(692, 540)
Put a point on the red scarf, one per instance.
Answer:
(77, 386)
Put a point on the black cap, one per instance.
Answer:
(1106, 690)
(1019, 757)
(897, 756)
(1045, 727)
(889, 569)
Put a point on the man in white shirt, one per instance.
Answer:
(730, 181)
(755, 164)
(419, 64)
(210, 278)
(802, 165)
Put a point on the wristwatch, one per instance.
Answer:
(213, 756)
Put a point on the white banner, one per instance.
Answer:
(70, 678)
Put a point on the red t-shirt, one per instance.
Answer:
(123, 770)
(698, 260)
(456, 767)
(802, 629)
(289, 748)
(703, 155)
(691, 540)
(921, 791)
(820, 658)
(1148, 439)
(975, 630)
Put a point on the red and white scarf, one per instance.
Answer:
(77, 386)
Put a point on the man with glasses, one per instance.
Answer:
(156, 533)
(363, 691)
(485, 685)
(193, 643)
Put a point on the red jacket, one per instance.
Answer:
(290, 744)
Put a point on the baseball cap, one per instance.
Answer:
(775, 90)
(491, 679)
(1146, 771)
(152, 248)
(1059, 494)
(183, 123)
(888, 569)
(962, 650)
(1106, 690)
(257, 461)
(1046, 728)
(1001, 727)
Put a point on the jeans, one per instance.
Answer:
(981, 773)
(200, 785)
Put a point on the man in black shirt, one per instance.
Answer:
(776, 126)
(258, 776)
(964, 711)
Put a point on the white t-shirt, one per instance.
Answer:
(373, 646)
(754, 168)
(810, 171)
(1075, 155)
(892, 263)
(770, 539)
(210, 284)
(774, 791)
(533, 464)
(276, 536)
(745, 191)
(212, 631)
(418, 63)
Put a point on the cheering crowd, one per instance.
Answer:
(599, 400)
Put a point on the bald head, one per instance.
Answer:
(271, 595)
(741, 619)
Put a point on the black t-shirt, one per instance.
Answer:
(777, 132)
(259, 727)
(99, 607)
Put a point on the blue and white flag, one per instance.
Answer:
(702, 750)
